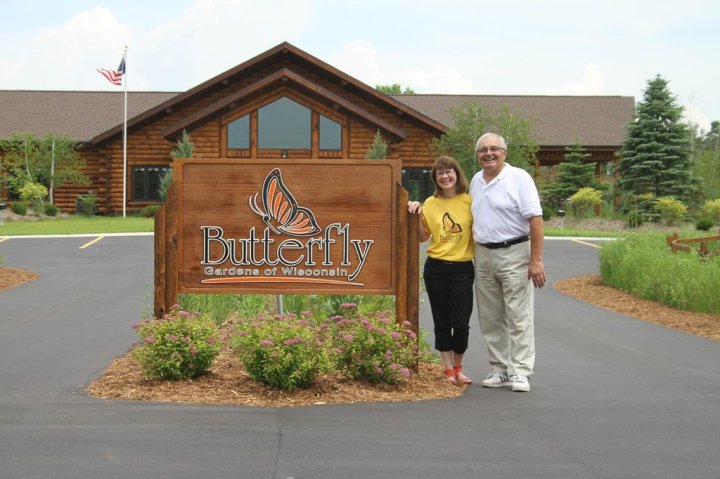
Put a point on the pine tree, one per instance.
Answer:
(655, 155)
(572, 174)
(378, 149)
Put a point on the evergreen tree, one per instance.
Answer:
(378, 149)
(572, 175)
(655, 156)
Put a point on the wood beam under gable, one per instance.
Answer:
(283, 75)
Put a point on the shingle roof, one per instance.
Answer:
(78, 114)
(556, 120)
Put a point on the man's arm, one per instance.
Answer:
(536, 272)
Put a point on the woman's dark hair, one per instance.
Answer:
(447, 163)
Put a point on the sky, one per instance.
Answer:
(481, 47)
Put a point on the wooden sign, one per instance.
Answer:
(295, 226)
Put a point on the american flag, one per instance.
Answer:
(114, 76)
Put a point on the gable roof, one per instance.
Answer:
(555, 120)
(283, 75)
(97, 116)
(274, 55)
(78, 114)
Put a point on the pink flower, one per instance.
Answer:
(396, 336)
(348, 305)
(266, 343)
(348, 338)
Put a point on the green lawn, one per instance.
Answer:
(77, 225)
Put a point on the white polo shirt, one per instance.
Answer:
(501, 208)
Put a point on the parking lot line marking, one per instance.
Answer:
(91, 242)
(4, 238)
(586, 243)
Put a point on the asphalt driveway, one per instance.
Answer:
(612, 397)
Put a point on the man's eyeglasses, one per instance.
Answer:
(492, 149)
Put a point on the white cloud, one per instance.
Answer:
(211, 36)
(695, 115)
(65, 57)
(363, 61)
(591, 82)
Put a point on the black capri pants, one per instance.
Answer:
(449, 286)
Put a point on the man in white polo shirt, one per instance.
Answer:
(508, 232)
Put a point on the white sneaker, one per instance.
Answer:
(495, 379)
(520, 383)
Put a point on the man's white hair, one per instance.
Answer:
(503, 143)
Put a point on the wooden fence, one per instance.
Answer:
(689, 244)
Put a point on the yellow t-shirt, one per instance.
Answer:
(449, 222)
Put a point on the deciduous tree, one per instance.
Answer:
(471, 120)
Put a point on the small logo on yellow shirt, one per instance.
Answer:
(449, 224)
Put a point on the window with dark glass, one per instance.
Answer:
(284, 124)
(238, 137)
(146, 182)
(330, 134)
(418, 183)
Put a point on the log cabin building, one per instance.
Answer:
(284, 103)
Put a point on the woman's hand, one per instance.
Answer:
(414, 207)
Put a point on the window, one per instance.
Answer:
(330, 134)
(286, 128)
(146, 182)
(284, 125)
(239, 133)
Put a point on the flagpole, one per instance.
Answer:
(125, 137)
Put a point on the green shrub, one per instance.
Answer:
(712, 210)
(149, 211)
(180, 345)
(51, 210)
(671, 210)
(585, 199)
(547, 213)
(643, 204)
(704, 224)
(374, 347)
(19, 208)
(86, 205)
(634, 219)
(283, 352)
(34, 193)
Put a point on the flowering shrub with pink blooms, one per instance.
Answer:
(373, 347)
(180, 345)
(285, 352)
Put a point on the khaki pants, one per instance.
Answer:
(505, 304)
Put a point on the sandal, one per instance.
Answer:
(451, 377)
(460, 377)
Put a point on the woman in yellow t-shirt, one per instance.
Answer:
(446, 219)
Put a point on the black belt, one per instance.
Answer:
(505, 244)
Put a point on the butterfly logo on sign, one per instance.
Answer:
(280, 210)
(449, 224)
